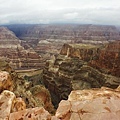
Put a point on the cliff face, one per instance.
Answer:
(108, 59)
(76, 33)
(17, 56)
(18, 93)
(73, 69)
(105, 58)
(47, 40)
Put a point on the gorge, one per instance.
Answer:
(59, 72)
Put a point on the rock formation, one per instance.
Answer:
(19, 99)
(12, 108)
(105, 58)
(17, 56)
(47, 40)
(33, 94)
(100, 104)
(5, 81)
(48, 48)
(108, 59)
(31, 114)
(103, 104)
(73, 70)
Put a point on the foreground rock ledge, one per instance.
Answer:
(31, 114)
(95, 104)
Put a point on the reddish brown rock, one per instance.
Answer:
(42, 94)
(100, 104)
(31, 114)
(108, 59)
(6, 99)
(47, 40)
(5, 81)
(81, 51)
(71, 70)
(18, 104)
(104, 58)
(11, 50)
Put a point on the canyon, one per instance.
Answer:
(59, 72)
(76, 67)
(81, 104)
(11, 50)
(47, 40)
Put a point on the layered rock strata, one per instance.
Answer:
(12, 108)
(77, 33)
(12, 51)
(105, 58)
(47, 40)
(108, 59)
(72, 70)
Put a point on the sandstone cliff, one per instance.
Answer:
(106, 57)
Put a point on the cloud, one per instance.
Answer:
(60, 11)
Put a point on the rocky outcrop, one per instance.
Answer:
(31, 114)
(105, 58)
(8, 103)
(5, 81)
(108, 59)
(13, 105)
(73, 70)
(81, 105)
(12, 108)
(33, 94)
(6, 99)
(100, 104)
(12, 51)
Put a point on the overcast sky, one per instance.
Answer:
(60, 11)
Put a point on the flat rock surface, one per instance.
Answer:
(96, 104)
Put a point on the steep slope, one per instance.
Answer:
(108, 59)
(74, 69)
(105, 58)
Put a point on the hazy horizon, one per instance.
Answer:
(60, 12)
